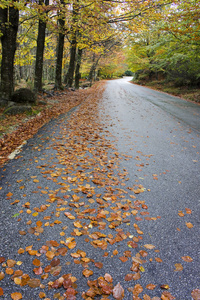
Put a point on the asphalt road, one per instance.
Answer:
(127, 169)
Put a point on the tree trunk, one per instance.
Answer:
(59, 52)
(40, 51)
(74, 31)
(78, 65)
(9, 20)
(70, 72)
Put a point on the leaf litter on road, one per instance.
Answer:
(91, 206)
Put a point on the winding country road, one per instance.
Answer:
(109, 192)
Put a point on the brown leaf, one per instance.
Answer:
(167, 296)
(2, 259)
(58, 283)
(11, 263)
(98, 265)
(149, 246)
(196, 294)
(1, 291)
(146, 297)
(33, 283)
(2, 275)
(123, 258)
(38, 271)
(128, 277)
(16, 296)
(55, 262)
(137, 289)
(158, 259)
(118, 292)
(108, 277)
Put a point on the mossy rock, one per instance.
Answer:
(24, 95)
(18, 109)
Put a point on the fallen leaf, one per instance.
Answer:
(158, 259)
(189, 225)
(108, 277)
(146, 297)
(87, 272)
(150, 286)
(2, 275)
(16, 296)
(118, 292)
(149, 246)
(1, 291)
(196, 294)
(34, 282)
(164, 286)
(188, 211)
(187, 258)
(178, 267)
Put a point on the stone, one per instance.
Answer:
(18, 109)
(24, 95)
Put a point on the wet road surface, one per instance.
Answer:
(112, 188)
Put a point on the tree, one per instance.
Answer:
(40, 45)
(9, 20)
(169, 47)
(60, 45)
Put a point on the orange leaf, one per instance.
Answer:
(150, 286)
(149, 246)
(50, 254)
(87, 272)
(158, 259)
(179, 267)
(188, 210)
(72, 245)
(16, 296)
(2, 275)
(1, 291)
(189, 225)
(187, 258)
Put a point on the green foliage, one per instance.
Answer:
(170, 47)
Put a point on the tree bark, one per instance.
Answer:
(40, 51)
(59, 52)
(72, 62)
(9, 20)
(70, 72)
(78, 65)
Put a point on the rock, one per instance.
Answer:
(41, 102)
(24, 95)
(17, 109)
(3, 102)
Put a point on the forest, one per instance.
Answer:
(63, 43)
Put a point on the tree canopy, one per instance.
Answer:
(81, 37)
